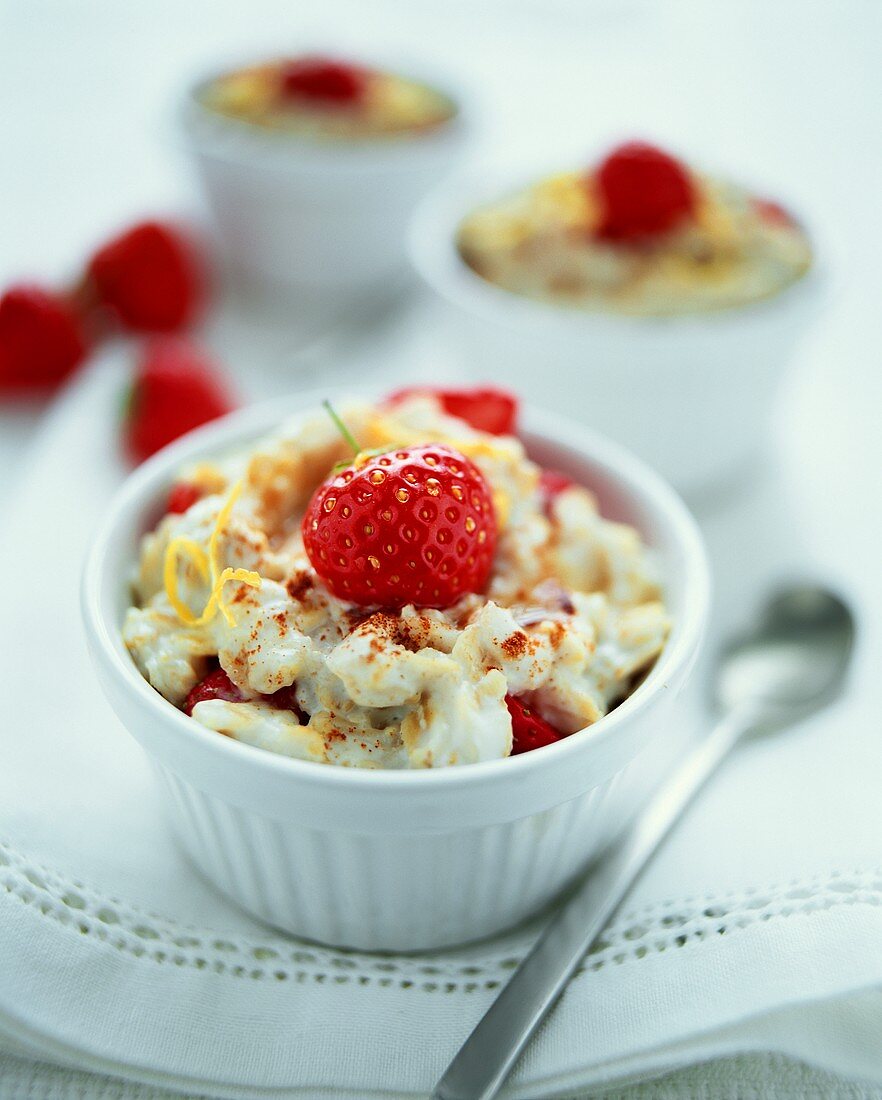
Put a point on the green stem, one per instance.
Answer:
(341, 428)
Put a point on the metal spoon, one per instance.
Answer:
(793, 663)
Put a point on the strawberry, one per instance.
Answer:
(528, 730)
(150, 277)
(772, 212)
(182, 497)
(175, 390)
(551, 484)
(486, 408)
(41, 340)
(643, 192)
(414, 525)
(216, 685)
(286, 699)
(323, 80)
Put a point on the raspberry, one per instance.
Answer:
(41, 340)
(182, 497)
(150, 277)
(175, 390)
(323, 80)
(528, 730)
(216, 685)
(644, 192)
(486, 408)
(414, 525)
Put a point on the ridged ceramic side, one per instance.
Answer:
(394, 892)
(404, 860)
(298, 216)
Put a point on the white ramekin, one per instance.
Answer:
(402, 860)
(296, 217)
(693, 396)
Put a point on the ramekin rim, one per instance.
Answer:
(235, 140)
(433, 254)
(247, 423)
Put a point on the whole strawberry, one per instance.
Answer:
(41, 340)
(150, 277)
(176, 389)
(414, 525)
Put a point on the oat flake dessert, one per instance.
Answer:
(325, 99)
(438, 599)
(641, 234)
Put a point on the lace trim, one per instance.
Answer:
(664, 926)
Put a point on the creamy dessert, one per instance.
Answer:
(324, 99)
(435, 599)
(640, 234)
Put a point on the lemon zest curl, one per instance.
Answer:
(209, 569)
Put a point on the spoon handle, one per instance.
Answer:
(487, 1056)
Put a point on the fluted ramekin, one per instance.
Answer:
(693, 395)
(296, 217)
(402, 860)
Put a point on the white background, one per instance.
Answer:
(783, 94)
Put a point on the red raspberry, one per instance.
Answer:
(151, 277)
(323, 80)
(182, 497)
(176, 389)
(643, 192)
(41, 340)
(528, 730)
(486, 408)
(410, 526)
(216, 685)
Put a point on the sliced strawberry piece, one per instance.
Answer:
(286, 699)
(528, 730)
(772, 212)
(216, 685)
(41, 340)
(182, 497)
(151, 277)
(551, 484)
(176, 389)
(486, 408)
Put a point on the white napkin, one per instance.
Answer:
(757, 929)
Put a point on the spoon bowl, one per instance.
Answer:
(792, 662)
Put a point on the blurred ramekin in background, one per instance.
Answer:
(404, 860)
(296, 216)
(692, 394)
